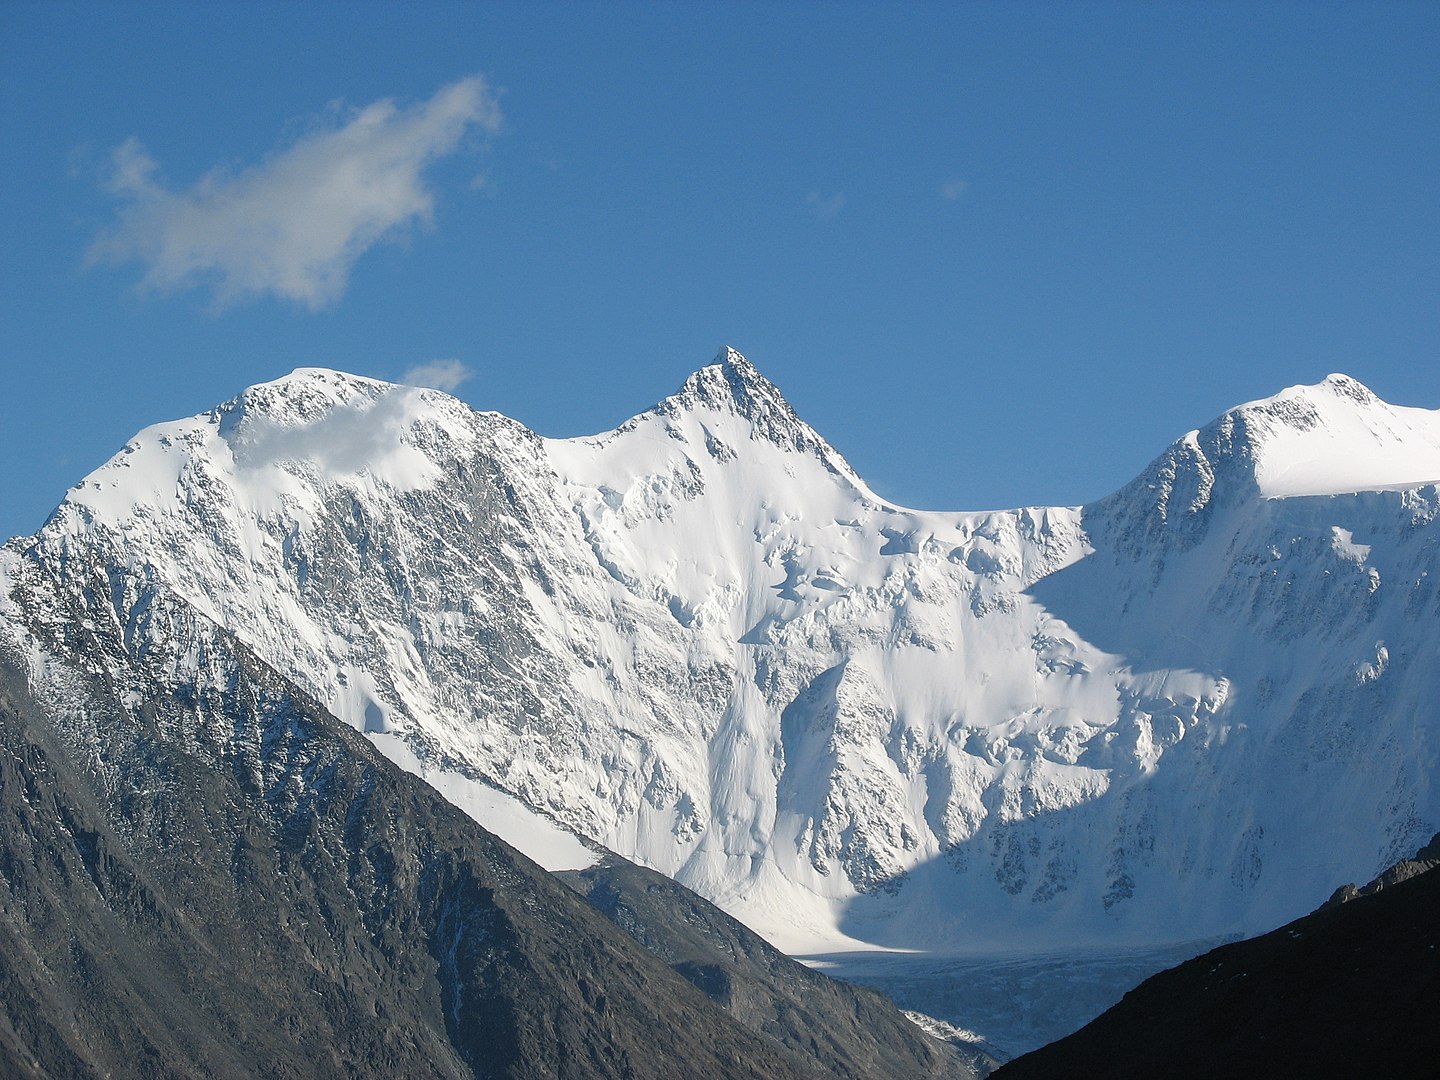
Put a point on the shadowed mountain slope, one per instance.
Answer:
(1351, 990)
(850, 1030)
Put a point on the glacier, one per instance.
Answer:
(1180, 713)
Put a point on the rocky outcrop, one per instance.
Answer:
(1427, 858)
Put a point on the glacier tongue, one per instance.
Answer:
(1182, 712)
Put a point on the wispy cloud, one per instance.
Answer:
(362, 434)
(444, 375)
(293, 225)
(953, 188)
(825, 207)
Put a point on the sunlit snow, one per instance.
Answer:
(1183, 712)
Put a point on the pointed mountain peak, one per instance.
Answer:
(732, 383)
(729, 402)
(739, 371)
(728, 356)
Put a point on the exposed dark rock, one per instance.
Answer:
(1425, 859)
(847, 1030)
(1351, 990)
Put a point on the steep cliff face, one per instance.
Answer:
(703, 641)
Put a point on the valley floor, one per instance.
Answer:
(1014, 1003)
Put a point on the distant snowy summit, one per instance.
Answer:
(1333, 438)
(700, 639)
(1338, 437)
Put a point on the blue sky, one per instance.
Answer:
(997, 254)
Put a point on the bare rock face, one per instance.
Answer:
(849, 1030)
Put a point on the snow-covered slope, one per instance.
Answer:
(700, 639)
(1339, 438)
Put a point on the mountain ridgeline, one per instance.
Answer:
(702, 641)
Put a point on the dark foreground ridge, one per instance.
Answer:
(217, 878)
(849, 1030)
(1351, 990)
(197, 927)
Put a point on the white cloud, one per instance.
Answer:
(133, 170)
(364, 434)
(294, 224)
(825, 206)
(444, 375)
(953, 188)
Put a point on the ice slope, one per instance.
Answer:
(700, 639)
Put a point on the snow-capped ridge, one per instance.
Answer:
(1337, 437)
(277, 447)
(302, 395)
(1343, 384)
(1329, 438)
(700, 640)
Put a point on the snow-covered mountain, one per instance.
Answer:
(700, 639)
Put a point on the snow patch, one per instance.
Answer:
(520, 826)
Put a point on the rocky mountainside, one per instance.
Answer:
(204, 873)
(1351, 990)
(852, 1031)
(703, 641)
(1426, 859)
